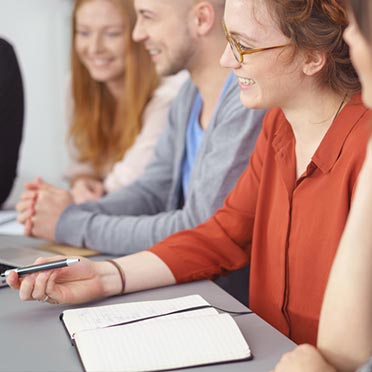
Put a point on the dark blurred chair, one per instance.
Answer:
(11, 117)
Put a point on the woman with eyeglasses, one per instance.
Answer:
(289, 208)
(345, 328)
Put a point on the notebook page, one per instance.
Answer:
(80, 319)
(153, 345)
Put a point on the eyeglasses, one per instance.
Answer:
(239, 51)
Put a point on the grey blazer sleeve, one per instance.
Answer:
(113, 228)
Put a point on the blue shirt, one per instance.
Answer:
(195, 134)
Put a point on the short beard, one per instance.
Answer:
(181, 60)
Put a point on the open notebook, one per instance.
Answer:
(142, 336)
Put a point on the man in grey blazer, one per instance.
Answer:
(203, 150)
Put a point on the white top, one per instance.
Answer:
(136, 158)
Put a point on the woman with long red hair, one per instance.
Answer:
(118, 107)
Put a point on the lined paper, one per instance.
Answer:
(191, 338)
(171, 343)
(77, 320)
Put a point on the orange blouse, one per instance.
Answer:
(288, 228)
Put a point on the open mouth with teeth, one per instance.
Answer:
(246, 81)
(100, 62)
(153, 52)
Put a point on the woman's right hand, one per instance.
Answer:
(85, 189)
(79, 283)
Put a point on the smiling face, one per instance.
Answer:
(361, 56)
(162, 25)
(100, 40)
(270, 78)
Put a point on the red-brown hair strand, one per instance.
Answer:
(319, 25)
(102, 129)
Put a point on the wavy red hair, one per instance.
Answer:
(103, 129)
(319, 25)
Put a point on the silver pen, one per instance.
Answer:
(22, 271)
